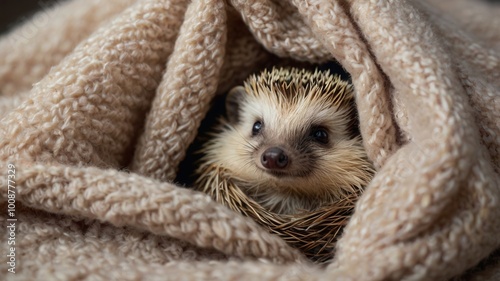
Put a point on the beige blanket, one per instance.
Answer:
(99, 101)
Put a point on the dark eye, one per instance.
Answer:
(257, 127)
(320, 135)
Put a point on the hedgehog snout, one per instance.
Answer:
(274, 158)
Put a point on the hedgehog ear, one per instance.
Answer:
(234, 99)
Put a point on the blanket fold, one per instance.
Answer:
(189, 84)
(101, 100)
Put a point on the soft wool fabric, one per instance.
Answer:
(100, 103)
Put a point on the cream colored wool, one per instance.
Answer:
(125, 84)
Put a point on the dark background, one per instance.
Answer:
(13, 12)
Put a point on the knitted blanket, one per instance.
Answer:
(99, 101)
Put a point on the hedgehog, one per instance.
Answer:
(290, 141)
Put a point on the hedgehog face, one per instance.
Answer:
(291, 140)
(288, 139)
(289, 145)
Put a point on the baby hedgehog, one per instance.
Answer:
(290, 139)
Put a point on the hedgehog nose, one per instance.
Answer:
(274, 158)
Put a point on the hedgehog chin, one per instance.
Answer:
(275, 175)
(278, 174)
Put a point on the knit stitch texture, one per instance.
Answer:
(99, 106)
